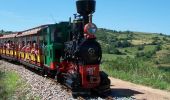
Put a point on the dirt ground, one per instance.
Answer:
(126, 89)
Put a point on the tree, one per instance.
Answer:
(126, 43)
(130, 36)
(2, 31)
(114, 31)
(158, 47)
(165, 39)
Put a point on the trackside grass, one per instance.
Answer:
(12, 87)
(8, 84)
(137, 71)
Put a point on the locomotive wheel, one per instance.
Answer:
(104, 78)
(59, 77)
(104, 86)
(51, 73)
(80, 92)
(43, 72)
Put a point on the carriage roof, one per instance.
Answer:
(32, 31)
(25, 33)
(8, 36)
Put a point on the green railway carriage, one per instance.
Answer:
(52, 41)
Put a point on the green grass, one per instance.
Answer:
(110, 57)
(130, 50)
(149, 48)
(10, 83)
(134, 50)
(138, 71)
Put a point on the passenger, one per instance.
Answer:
(5, 44)
(11, 45)
(22, 49)
(34, 51)
(11, 48)
(23, 46)
(19, 46)
(28, 50)
(28, 47)
(8, 45)
(15, 48)
(35, 48)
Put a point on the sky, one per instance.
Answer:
(134, 15)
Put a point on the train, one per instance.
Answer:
(67, 51)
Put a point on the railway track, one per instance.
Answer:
(92, 96)
(106, 96)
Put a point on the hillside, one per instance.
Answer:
(135, 44)
(139, 57)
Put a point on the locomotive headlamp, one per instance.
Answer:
(90, 28)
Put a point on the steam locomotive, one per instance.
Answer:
(67, 51)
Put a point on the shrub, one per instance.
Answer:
(140, 54)
(141, 47)
(148, 54)
(158, 47)
(115, 51)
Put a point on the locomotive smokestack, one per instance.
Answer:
(86, 7)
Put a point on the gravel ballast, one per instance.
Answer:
(41, 88)
(38, 86)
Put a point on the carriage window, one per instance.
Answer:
(43, 37)
(24, 39)
(33, 39)
(56, 35)
(41, 41)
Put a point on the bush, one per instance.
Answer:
(126, 51)
(140, 54)
(115, 51)
(158, 47)
(148, 54)
(122, 44)
(141, 47)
